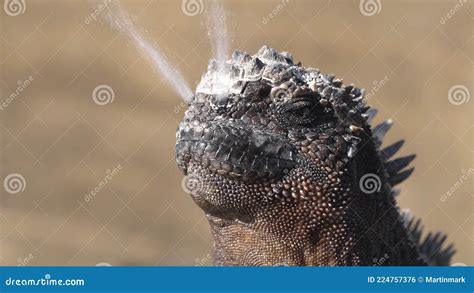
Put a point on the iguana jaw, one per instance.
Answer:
(254, 228)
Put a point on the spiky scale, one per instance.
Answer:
(391, 150)
(380, 130)
(400, 177)
(371, 113)
(395, 192)
(393, 167)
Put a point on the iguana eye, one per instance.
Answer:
(299, 111)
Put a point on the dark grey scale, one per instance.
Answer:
(393, 167)
(391, 150)
(200, 148)
(222, 153)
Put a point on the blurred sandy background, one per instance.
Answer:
(64, 144)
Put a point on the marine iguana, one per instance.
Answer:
(288, 170)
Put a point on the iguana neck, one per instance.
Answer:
(250, 244)
(242, 244)
(346, 228)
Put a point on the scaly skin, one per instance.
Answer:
(274, 154)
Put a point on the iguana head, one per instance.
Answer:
(273, 153)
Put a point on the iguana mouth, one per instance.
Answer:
(233, 150)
